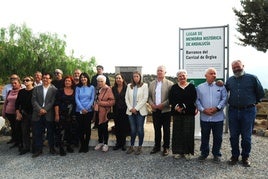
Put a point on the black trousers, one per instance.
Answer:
(122, 127)
(15, 128)
(84, 125)
(26, 129)
(161, 119)
(103, 132)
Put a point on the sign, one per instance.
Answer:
(203, 48)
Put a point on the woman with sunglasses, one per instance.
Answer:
(24, 110)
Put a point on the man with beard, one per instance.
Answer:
(245, 92)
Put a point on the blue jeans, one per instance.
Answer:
(217, 129)
(241, 122)
(136, 122)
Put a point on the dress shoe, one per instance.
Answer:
(14, 145)
(36, 154)
(124, 148)
(165, 152)
(116, 147)
(155, 150)
(233, 161)
(52, 150)
(69, 149)
(246, 162)
(62, 151)
(81, 150)
(24, 151)
(202, 158)
(10, 141)
(217, 159)
(86, 149)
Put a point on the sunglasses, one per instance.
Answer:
(56, 73)
(27, 80)
(13, 78)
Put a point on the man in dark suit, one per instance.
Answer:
(43, 98)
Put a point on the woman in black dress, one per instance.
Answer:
(182, 99)
(64, 112)
(122, 127)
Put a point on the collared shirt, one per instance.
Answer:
(45, 89)
(158, 92)
(244, 90)
(38, 84)
(209, 96)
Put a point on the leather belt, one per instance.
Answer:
(243, 107)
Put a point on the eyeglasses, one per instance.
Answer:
(56, 73)
(13, 78)
(27, 80)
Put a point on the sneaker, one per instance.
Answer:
(138, 151)
(165, 152)
(99, 146)
(187, 156)
(105, 148)
(130, 150)
(177, 156)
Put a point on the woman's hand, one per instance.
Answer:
(57, 117)
(134, 111)
(18, 116)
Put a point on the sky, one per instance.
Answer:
(131, 33)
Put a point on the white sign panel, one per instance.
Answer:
(203, 48)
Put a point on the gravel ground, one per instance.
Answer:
(117, 164)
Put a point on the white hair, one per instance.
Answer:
(101, 77)
(162, 67)
(181, 71)
(210, 69)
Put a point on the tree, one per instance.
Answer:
(23, 53)
(253, 23)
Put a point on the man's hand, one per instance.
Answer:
(210, 111)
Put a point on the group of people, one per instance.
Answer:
(65, 108)
(183, 101)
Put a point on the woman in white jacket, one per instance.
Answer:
(136, 99)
